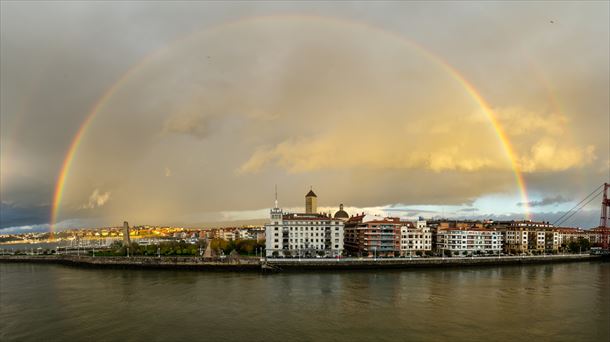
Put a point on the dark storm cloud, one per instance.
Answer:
(12, 216)
(558, 199)
(466, 210)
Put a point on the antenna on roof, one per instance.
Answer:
(276, 196)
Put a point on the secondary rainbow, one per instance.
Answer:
(76, 141)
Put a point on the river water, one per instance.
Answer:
(560, 302)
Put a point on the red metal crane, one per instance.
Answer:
(603, 220)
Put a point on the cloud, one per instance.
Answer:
(96, 199)
(550, 155)
(467, 210)
(15, 215)
(546, 201)
(356, 112)
(542, 140)
(190, 123)
(520, 121)
(444, 142)
(33, 228)
(375, 151)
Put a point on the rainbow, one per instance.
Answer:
(99, 105)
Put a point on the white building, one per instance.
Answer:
(415, 238)
(303, 235)
(228, 235)
(472, 241)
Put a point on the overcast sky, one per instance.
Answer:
(205, 106)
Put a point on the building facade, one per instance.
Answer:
(415, 238)
(306, 235)
(528, 237)
(599, 236)
(469, 241)
(373, 236)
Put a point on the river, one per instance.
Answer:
(558, 302)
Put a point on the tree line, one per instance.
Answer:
(182, 248)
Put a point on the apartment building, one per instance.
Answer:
(415, 237)
(373, 236)
(468, 241)
(528, 237)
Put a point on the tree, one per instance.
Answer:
(234, 254)
(447, 252)
(419, 253)
(220, 244)
(584, 244)
(134, 249)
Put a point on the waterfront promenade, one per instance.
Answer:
(278, 265)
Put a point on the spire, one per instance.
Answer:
(276, 196)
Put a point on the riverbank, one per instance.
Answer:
(280, 265)
(194, 263)
(404, 263)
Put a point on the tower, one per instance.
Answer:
(603, 221)
(311, 202)
(126, 239)
(276, 212)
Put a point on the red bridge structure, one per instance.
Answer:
(600, 237)
(604, 222)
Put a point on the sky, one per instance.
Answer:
(190, 113)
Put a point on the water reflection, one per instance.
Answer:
(549, 302)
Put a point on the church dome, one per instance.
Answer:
(341, 214)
